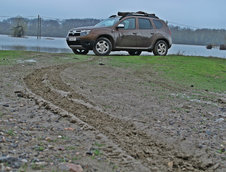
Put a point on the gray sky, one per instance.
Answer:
(197, 13)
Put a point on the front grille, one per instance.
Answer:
(74, 42)
(74, 34)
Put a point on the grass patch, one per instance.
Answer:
(40, 148)
(199, 72)
(36, 166)
(14, 57)
(11, 133)
(1, 114)
(99, 144)
(10, 57)
(70, 148)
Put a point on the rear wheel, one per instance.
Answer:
(161, 48)
(102, 47)
(80, 51)
(134, 52)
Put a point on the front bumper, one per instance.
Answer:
(80, 44)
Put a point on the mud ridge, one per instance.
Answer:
(111, 151)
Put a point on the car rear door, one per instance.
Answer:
(145, 33)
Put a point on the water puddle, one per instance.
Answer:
(27, 61)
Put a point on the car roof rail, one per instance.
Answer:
(113, 16)
(138, 13)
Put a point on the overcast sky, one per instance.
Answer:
(197, 13)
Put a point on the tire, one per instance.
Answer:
(80, 51)
(134, 52)
(102, 47)
(161, 48)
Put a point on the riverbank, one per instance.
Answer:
(59, 45)
(114, 113)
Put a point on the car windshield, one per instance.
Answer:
(108, 22)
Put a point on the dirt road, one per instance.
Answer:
(144, 122)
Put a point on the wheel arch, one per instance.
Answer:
(162, 39)
(108, 37)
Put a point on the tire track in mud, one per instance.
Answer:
(151, 153)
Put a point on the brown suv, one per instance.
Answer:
(128, 31)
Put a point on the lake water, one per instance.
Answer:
(59, 45)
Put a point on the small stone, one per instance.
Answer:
(101, 63)
(223, 109)
(208, 132)
(50, 146)
(14, 145)
(2, 139)
(89, 153)
(48, 139)
(170, 165)
(59, 136)
(215, 166)
(171, 122)
(36, 159)
(24, 161)
(200, 146)
(11, 161)
(41, 163)
(98, 137)
(69, 129)
(19, 95)
(5, 105)
(220, 120)
(222, 150)
(186, 107)
(61, 149)
(220, 101)
(74, 168)
(8, 169)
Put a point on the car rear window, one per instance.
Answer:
(145, 24)
(158, 24)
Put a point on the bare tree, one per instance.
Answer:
(19, 27)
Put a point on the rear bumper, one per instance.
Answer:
(80, 44)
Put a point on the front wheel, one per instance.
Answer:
(161, 48)
(80, 51)
(102, 47)
(134, 52)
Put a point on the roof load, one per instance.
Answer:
(139, 13)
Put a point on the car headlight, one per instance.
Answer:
(84, 32)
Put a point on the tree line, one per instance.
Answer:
(60, 28)
(49, 28)
(198, 36)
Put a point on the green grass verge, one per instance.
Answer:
(15, 57)
(9, 57)
(202, 73)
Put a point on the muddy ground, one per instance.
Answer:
(106, 118)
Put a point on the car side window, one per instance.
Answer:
(158, 24)
(129, 23)
(144, 24)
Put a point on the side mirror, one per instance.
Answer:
(120, 26)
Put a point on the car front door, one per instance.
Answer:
(126, 37)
